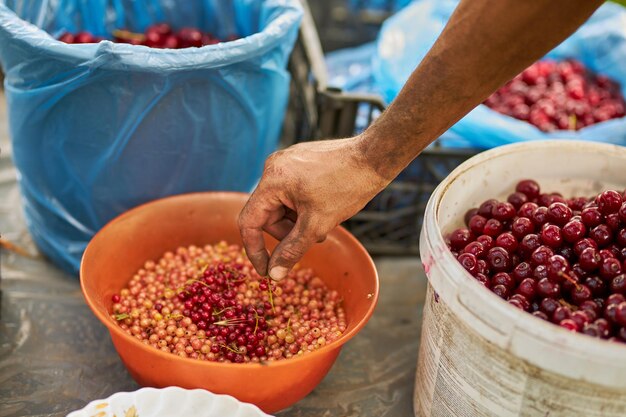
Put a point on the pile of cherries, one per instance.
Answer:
(208, 303)
(563, 260)
(160, 35)
(559, 96)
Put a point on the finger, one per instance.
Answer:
(291, 249)
(279, 229)
(254, 215)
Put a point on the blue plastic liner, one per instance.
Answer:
(100, 128)
(407, 36)
(378, 5)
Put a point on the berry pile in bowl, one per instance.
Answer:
(208, 303)
(559, 96)
(160, 35)
(561, 259)
(186, 309)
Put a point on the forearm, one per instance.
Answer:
(485, 44)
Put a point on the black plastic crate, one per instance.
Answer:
(391, 223)
(345, 23)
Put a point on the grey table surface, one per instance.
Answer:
(55, 356)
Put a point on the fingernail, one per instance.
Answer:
(278, 272)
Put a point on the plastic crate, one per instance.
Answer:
(391, 223)
(345, 23)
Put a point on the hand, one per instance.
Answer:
(305, 192)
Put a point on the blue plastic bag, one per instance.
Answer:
(100, 128)
(407, 36)
(378, 5)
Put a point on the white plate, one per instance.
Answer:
(169, 402)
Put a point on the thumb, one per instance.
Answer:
(293, 247)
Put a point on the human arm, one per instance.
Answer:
(308, 189)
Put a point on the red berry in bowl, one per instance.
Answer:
(189, 37)
(547, 288)
(569, 324)
(540, 216)
(551, 235)
(527, 288)
(622, 210)
(602, 235)
(540, 272)
(581, 293)
(498, 259)
(486, 208)
(469, 214)
(613, 221)
(483, 279)
(596, 285)
(517, 199)
(493, 228)
(541, 255)
(469, 262)
(620, 314)
(589, 259)
(503, 211)
(460, 238)
(528, 245)
(559, 213)
(557, 266)
(522, 271)
(507, 241)
(486, 241)
(549, 306)
(501, 291)
(528, 187)
(573, 231)
(620, 238)
(591, 216)
(172, 42)
(475, 248)
(477, 224)
(67, 38)
(583, 244)
(527, 210)
(84, 37)
(561, 313)
(521, 227)
(618, 288)
(609, 202)
(502, 278)
(610, 268)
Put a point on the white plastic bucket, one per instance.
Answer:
(480, 356)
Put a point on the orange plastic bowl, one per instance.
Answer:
(148, 231)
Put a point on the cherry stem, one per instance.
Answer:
(570, 279)
(127, 34)
(271, 294)
(12, 247)
(230, 322)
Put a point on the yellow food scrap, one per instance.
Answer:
(100, 414)
(131, 412)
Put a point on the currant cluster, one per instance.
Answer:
(160, 35)
(212, 305)
(559, 96)
(563, 260)
(209, 304)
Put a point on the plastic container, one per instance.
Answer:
(478, 355)
(97, 129)
(148, 231)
